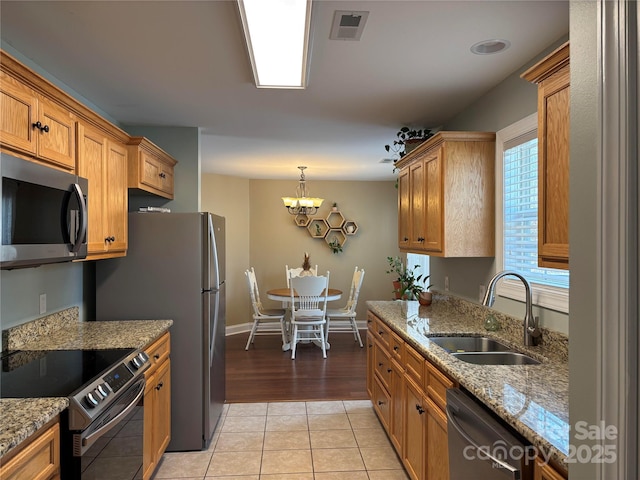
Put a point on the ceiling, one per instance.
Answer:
(184, 63)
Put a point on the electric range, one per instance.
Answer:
(103, 387)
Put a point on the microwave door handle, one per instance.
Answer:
(453, 422)
(76, 240)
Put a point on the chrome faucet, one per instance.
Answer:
(532, 334)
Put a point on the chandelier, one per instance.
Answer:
(302, 204)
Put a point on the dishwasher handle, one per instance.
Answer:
(452, 421)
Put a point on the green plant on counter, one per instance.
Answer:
(409, 284)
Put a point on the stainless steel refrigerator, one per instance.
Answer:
(174, 269)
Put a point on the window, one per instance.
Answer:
(517, 218)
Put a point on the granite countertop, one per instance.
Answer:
(20, 418)
(533, 399)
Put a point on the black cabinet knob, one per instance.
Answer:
(420, 409)
(39, 126)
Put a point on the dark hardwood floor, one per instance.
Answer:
(265, 373)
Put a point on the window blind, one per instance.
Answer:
(520, 211)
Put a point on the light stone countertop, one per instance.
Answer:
(21, 418)
(533, 399)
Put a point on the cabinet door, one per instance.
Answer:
(92, 152)
(58, 143)
(543, 471)
(397, 406)
(18, 112)
(553, 170)
(437, 461)
(162, 410)
(116, 197)
(416, 173)
(370, 363)
(413, 452)
(39, 460)
(433, 203)
(381, 402)
(104, 163)
(404, 207)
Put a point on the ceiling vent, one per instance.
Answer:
(348, 25)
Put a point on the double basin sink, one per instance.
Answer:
(482, 351)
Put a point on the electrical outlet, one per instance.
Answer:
(481, 292)
(43, 303)
(446, 284)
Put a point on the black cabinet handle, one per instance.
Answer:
(380, 364)
(163, 175)
(420, 409)
(405, 239)
(39, 126)
(395, 348)
(380, 402)
(389, 370)
(160, 385)
(156, 356)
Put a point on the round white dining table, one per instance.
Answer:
(284, 294)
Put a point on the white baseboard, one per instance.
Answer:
(246, 327)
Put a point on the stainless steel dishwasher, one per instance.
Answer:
(481, 447)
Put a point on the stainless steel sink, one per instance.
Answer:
(496, 358)
(470, 344)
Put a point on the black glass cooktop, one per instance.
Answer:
(53, 373)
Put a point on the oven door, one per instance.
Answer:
(112, 445)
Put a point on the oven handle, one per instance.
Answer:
(465, 435)
(112, 423)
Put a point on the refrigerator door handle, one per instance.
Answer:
(213, 280)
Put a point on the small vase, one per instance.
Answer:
(425, 298)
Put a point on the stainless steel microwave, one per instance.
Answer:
(44, 214)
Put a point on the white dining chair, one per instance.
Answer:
(308, 311)
(265, 321)
(344, 319)
(296, 272)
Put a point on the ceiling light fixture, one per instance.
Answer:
(488, 47)
(277, 33)
(302, 204)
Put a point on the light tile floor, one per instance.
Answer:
(328, 440)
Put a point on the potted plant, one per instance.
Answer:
(334, 207)
(335, 246)
(407, 139)
(408, 284)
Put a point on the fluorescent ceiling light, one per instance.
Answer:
(277, 35)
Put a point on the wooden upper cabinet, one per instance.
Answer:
(33, 125)
(150, 168)
(446, 203)
(552, 77)
(103, 161)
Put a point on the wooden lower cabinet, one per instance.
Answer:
(38, 459)
(157, 406)
(415, 420)
(544, 471)
(437, 451)
(408, 395)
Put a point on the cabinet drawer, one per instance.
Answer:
(383, 334)
(436, 385)
(383, 365)
(371, 321)
(39, 460)
(414, 364)
(158, 351)
(396, 348)
(381, 403)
